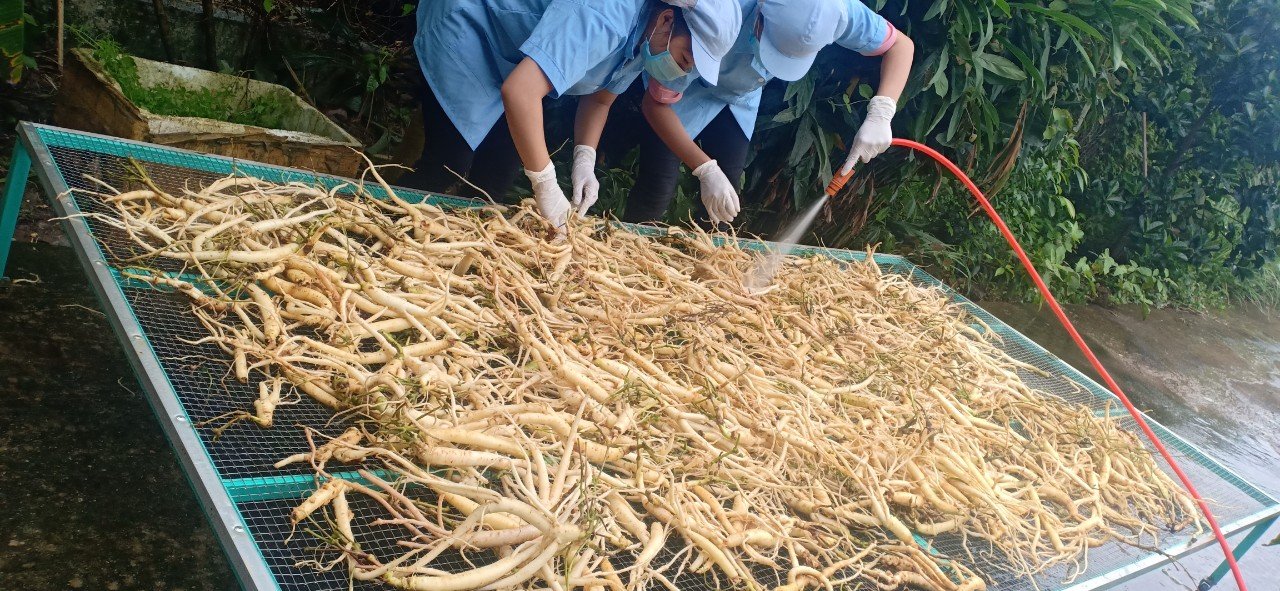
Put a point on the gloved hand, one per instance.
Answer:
(875, 135)
(718, 194)
(551, 201)
(586, 187)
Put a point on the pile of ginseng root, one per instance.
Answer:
(603, 410)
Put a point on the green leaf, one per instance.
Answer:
(268, 5)
(1000, 66)
(786, 116)
(1117, 54)
(792, 89)
(940, 83)
(1055, 12)
(1024, 61)
(1084, 56)
(935, 10)
(804, 141)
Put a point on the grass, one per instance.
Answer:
(223, 104)
(1262, 289)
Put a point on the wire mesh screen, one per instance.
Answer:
(243, 454)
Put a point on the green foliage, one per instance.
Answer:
(222, 104)
(1042, 103)
(984, 69)
(1208, 210)
(356, 56)
(1261, 289)
(26, 94)
(945, 231)
(13, 24)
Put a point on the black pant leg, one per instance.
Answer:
(444, 147)
(659, 171)
(725, 143)
(496, 163)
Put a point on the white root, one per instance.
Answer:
(561, 406)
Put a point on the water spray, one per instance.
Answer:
(762, 277)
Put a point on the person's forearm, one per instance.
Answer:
(667, 125)
(522, 95)
(593, 112)
(896, 68)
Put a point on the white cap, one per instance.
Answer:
(714, 26)
(795, 31)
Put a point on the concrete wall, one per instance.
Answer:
(133, 24)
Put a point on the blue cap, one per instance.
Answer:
(795, 31)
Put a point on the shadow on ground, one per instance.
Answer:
(91, 495)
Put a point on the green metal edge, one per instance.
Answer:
(14, 188)
(296, 486)
(145, 341)
(60, 138)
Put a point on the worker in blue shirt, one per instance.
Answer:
(780, 38)
(483, 57)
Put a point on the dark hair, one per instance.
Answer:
(679, 26)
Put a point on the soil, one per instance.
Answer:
(93, 496)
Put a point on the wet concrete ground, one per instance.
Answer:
(1213, 379)
(92, 497)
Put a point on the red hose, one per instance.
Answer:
(839, 182)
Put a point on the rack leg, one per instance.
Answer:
(1249, 540)
(19, 171)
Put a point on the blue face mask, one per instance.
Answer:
(661, 67)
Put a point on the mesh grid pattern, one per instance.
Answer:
(200, 375)
(243, 454)
(268, 519)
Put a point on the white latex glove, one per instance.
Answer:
(718, 194)
(551, 201)
(875, 135)
(586, 187)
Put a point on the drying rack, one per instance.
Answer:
(247, 500)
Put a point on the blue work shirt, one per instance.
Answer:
(742, 76)
(467, 48)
